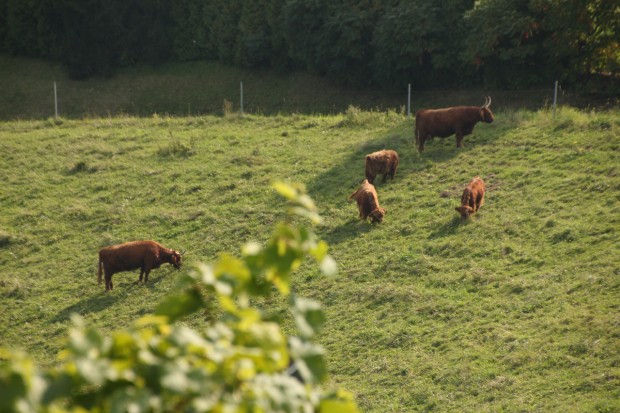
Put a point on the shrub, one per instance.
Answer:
(177, 148)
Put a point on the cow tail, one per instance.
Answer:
(352, 195)
(99, 270)
(416, 132)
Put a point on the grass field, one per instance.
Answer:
(201, 88)
(515, 310)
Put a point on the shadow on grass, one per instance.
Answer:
(350, 229)
(88, 305)
(343, 178)
(122, 289)
(449, 227)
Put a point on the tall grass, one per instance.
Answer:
(515, 309)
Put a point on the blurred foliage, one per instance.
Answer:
(510, 43)
(240, 362)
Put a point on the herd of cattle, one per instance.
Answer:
(429, 123)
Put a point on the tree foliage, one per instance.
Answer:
(419, 42)
(240, 361)
(385, 42)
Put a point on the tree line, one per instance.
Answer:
(498, 43)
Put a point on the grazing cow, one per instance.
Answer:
(145, 255)
(368, 202)
(459, 120)
(472, 198)
(381, 162)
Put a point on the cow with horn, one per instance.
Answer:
(459, 120)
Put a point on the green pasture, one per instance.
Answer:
(514, 310)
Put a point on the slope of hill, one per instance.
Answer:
(513, 310)
(201, 88)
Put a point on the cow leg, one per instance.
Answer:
(108, 281)
(472, 203)
(141, 273)
(459, 140)
(423, 138)
(421, 143)
(480, 201)
(384, 177)
(146, 275)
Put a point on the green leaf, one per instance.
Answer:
(59, 387)
(329, 267)
(319, 251)
(13, 389)
(337, 406)
(309, 360)
(286, 190)
(338, 402)
(180, 305)
(309, 318)
(130, 399)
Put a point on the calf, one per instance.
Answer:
(145, 255)
(472, 198)
(368, 202)
(459, 120)
(381, 162)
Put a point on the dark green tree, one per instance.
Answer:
(145, 29)
(347, 38)
(29, 28)
(504, 42)
(580, 37)
(254, 41)
(275, 13)
(190, 32)
(304, 23)
(333, 38)
(91, 37)
(223, 17)
(519, 43)
(419, 42)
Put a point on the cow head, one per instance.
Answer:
(377, 215)
(465, 211)
(485, 112)
(175, 259)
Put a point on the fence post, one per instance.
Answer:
(555, 97)
(241, 96)
(55, 102)
(409, 100)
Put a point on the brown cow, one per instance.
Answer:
(472, 198)
(145, 255)
(381, 162)
(459, 120)
(368, 202)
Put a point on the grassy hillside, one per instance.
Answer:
(514, 310)
(200, 88)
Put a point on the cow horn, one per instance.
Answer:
(487, 101)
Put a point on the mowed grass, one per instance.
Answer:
(515, 310)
